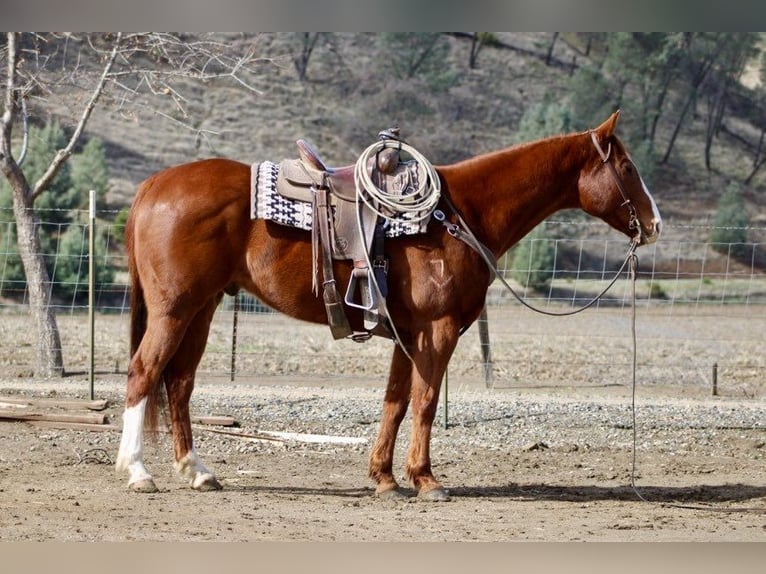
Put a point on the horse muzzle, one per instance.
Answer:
(650, 235)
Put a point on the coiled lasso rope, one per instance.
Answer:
(414, 206)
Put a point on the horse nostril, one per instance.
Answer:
(657, 227)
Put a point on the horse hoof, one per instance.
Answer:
(145, 485)
(207, 483)
(437, 494)
(394, 493)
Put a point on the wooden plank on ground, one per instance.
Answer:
(215, 420)
(89, 418)
(278, 436)
(316, 438)
(75, 426)
(97, 405)
(13, 406)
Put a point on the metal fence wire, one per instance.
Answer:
(701, 303)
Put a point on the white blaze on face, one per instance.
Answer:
(131, 448)
(656, 217)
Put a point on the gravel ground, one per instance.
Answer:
(520, 465)
(544, 455)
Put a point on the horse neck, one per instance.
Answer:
(503, 195)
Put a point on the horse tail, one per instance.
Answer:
(155, 403)
(137, 303)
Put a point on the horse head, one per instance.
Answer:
(611, 188)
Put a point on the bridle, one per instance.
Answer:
(633, 223)
(461, 231)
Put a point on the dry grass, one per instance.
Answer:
(350, 96)
(677, 347)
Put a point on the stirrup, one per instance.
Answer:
(360, 278)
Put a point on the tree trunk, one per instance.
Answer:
(549, 55)
(698, 78)
(308, 42)
(477, 42)
(50, 362)
(49, 357)
(759, 159)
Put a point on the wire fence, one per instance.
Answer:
(700, 308)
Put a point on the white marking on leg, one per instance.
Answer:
(191, 468)
(130, 454)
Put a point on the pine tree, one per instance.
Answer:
(61, 243)
(56, 204)
(90, 171)
(71, 273)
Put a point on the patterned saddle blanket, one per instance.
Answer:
(294, 208)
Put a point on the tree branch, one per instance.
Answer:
(63, 154)
(10, 102)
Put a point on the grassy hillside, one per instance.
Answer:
(350, 95)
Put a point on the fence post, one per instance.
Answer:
(715, 379)
(92, 291)
(234, 337)
(486, 350)
(445, 420)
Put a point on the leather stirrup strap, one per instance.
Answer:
(336, 316)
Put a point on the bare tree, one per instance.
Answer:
(549, 55)
(759, 111)
(702, 51)
(67, 74)
(308, 43)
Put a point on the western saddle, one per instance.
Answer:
(344, 228)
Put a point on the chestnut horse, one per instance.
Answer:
(191, 239)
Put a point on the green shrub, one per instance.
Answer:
(72, 266)
(729, 233)
(533, 259)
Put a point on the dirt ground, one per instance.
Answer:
(59, 484)
(522, 462)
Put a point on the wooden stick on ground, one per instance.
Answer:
(89, 418)
(97, 405)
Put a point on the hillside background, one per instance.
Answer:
(350, 92)
(451, 100)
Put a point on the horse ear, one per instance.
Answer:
(607, 128)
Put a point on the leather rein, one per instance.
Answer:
(461, 231)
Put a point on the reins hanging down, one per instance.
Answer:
(416, 201)
(462, 232)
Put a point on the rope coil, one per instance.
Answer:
(415, 206)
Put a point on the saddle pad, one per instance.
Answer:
(266, 203)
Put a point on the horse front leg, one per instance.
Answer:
(433, 349)
(394, 408)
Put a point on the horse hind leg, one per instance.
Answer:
(144, 373)
(179, 382)
(130, 456)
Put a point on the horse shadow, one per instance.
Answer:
(679, 495)
(699, 494)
